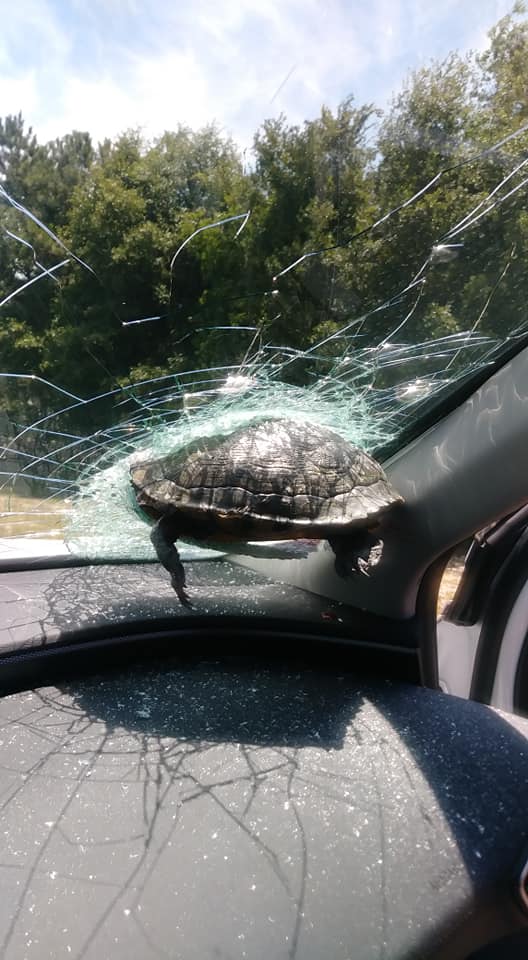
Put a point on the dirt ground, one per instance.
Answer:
(27, 516)
(450, 581)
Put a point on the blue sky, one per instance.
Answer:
(105, 65)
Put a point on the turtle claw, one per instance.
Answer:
(356, 555)
(178, 584)
(184, 599)
(363, 566)
(163, 537)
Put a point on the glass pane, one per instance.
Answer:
(211, 216)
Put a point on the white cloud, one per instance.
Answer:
(22, 91)
(113, 64)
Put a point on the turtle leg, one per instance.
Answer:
(356, 553)
(163, 541)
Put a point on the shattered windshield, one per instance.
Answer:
(219, 216)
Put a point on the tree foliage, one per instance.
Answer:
(124, 208)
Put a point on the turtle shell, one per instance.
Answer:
(271, 478)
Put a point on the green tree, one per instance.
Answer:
(127, 206)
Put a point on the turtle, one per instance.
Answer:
(269, 480)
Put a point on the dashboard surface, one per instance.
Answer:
(233, 807)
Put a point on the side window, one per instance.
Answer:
(451, 578)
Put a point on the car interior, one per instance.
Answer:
(273, 281)
(279, 771)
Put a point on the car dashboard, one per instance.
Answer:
(185, 784)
